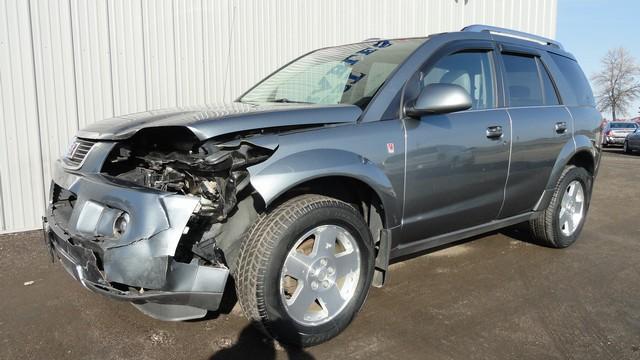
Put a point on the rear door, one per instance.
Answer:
(541, 127)
(457, 163)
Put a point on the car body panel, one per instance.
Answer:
(212, 121)
(534, 137)
(339, 151)
(453, 168)
(633, 140)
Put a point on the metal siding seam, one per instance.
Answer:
(110, 51)
(73, 56)
(38, 123)
(144, 58)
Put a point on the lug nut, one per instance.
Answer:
(323, 262)
(314, 285)
(325, 284)
(331, 270)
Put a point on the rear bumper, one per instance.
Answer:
(610, 140)
(139, 267)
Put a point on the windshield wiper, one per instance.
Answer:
(285, 100)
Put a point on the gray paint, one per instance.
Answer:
(440, 177)
(440, 99)
(208, 122)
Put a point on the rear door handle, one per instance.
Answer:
(561, 127)
(494, 132)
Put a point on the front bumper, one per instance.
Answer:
(138, 267)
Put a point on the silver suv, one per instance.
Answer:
(299, 194)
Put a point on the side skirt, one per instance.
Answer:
(432, 242)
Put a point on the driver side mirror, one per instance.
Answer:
(439, 99)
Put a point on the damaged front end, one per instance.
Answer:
(135, 220)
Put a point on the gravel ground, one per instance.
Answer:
(493, 297)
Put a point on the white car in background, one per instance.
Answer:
(616, 132)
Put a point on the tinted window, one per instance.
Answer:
(523, 83)
(550, 95)
(470, 70)
(622, 126)
(577, 82)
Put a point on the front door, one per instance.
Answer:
(457, 163)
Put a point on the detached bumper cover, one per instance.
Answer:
(142, 257)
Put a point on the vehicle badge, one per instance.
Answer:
(391, 148)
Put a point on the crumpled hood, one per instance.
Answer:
(210, 121)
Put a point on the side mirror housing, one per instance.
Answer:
(439, 99)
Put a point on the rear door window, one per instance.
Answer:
(522, 81)
(549, 90)
(623, 126)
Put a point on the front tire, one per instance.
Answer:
(627, 150)
(304, 269)
(560, 224)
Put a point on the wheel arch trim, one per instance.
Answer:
(580, 144)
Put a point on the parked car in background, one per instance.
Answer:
(616, 132)
(632, 142)
(306, 187)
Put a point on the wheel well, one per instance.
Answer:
(366, 201)
(350, 190)
(584, 160)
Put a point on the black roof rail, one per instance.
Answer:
(513, 33)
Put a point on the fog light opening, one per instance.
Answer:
(120, 225)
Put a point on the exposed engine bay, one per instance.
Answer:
(176, 162)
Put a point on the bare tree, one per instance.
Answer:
(617, 85)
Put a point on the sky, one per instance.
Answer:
(588, 28)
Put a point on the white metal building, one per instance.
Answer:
(67, 63)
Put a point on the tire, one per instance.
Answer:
(627, 150)
(548, 229)
(269, 244)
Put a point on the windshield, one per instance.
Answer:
(349, 74)
(622, 126)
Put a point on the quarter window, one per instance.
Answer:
(580, 91)
(470, 70)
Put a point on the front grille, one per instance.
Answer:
(77, 152)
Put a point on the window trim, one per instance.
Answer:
(486, 46)
(514, 50)
(542, 67)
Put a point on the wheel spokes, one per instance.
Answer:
(331, 300)
(346, 263)
(298, 305)
(325, 240)
(571, 208)
(296, 265)
(320, 274)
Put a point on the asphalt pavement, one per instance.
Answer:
(496, 296)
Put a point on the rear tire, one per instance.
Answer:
(313, 249)
(560, 224)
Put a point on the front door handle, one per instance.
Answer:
(561, 127)
(494, 132)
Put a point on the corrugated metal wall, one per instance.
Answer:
(68, 63)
